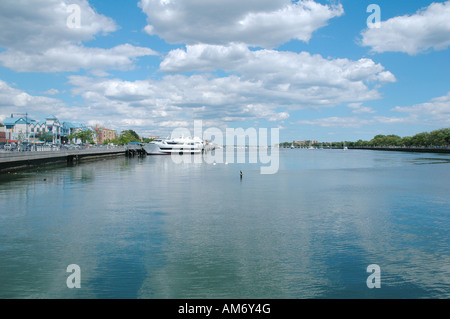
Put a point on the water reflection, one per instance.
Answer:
(150, 228)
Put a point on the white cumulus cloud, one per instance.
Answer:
(285, 76)
(264, 23)
(428, 29)
(436, 111)
(74, 58)
(13, 99)
(36, 37)
(358, 108)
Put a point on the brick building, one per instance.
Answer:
(104, 134)
(2, 135)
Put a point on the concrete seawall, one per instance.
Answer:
(20, 160)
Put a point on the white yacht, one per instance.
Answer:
(184, 145)
(345, 147)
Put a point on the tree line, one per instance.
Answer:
(436, 138)
(126, 137)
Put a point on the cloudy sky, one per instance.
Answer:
(318, 69)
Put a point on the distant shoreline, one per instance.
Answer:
(403, 149)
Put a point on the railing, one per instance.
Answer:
(59, 152)
(47, 148)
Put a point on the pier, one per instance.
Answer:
(20, 160)
(135, 152)
(135, 149)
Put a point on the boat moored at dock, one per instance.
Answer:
(183, 145)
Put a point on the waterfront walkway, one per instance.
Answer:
(17, 160)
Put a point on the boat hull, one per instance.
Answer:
(153, 149)
(167, 149)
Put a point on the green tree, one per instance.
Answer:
(393, 140)
(421, 139)
(86, 136)
(360, 143)
(378, 140)
(127, 136)
(147, 140)
(285, 144)
(46, 137)
(439, 137)
(131, 134)
(407, 141)
(425, 139)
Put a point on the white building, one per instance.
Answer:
(17, 128)
(71, 128)
(24, 129)
(21, 129)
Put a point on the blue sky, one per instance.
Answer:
(313, 69)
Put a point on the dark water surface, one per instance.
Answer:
(151, 228)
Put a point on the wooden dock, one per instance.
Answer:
(20, 160)
(135, 151)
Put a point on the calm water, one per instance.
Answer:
(151, 228)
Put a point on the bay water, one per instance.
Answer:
(154, 228)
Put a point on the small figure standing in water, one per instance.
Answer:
(241, 174)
